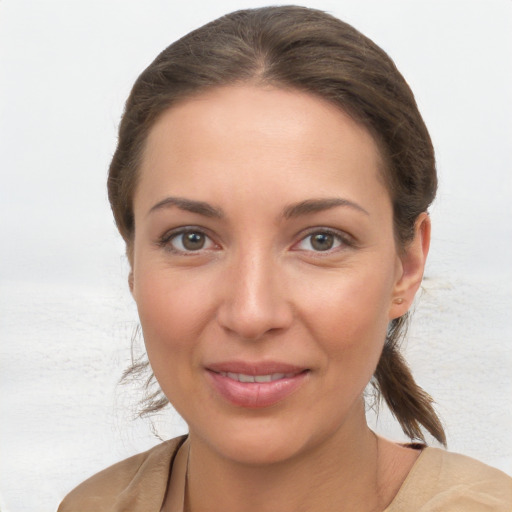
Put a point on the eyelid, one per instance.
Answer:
(164, 241)
(346, 240)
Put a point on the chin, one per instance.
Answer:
(261, 450)
(260, 442)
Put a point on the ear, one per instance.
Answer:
(129, 256)
(130, 281)
(412, 264)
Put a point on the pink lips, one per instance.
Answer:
(255, 385)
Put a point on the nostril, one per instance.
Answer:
(252, 323)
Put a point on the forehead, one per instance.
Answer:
(239, 137)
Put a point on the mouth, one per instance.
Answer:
(255, 385)
(270, 377)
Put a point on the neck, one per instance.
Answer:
(343, 471)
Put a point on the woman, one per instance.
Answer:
(271, 182)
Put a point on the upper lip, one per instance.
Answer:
(255, 368)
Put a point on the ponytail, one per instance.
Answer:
(407, 401)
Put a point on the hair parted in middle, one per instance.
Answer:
(309, 51)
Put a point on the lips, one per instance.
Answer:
(255, 385)
(270, 377)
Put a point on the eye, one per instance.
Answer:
(189, 240)
(321, 241)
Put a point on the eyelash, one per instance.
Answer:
(165, 241)
(342, 239)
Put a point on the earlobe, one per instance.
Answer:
(413, 259)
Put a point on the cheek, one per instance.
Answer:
(349, 319)
(352, 338)
(171, 312)
(351, 301)
(172, 315)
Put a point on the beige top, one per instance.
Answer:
(439, 481)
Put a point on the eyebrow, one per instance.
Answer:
(294, 210)
(189, 205)
(318, 205)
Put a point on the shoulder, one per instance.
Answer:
(446, 481)
(141, 478)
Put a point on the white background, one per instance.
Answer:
(66, 317)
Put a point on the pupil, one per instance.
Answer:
(193, 241)
(322, 241)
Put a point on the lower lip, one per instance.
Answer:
(255, 395)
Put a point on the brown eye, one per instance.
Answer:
(193, 241)
(189, 241)
(322, 241)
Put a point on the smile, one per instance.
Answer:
(271, 377)
(255, 386)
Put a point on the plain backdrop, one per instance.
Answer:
(66, 316)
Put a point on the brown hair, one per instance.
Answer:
(307, 50)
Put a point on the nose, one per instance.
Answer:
(254, 301)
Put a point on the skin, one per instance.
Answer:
(258, 290)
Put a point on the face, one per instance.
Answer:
(264, 269)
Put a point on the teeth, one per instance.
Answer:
(262, 378)
(241, 377)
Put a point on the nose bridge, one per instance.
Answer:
(254, 301)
